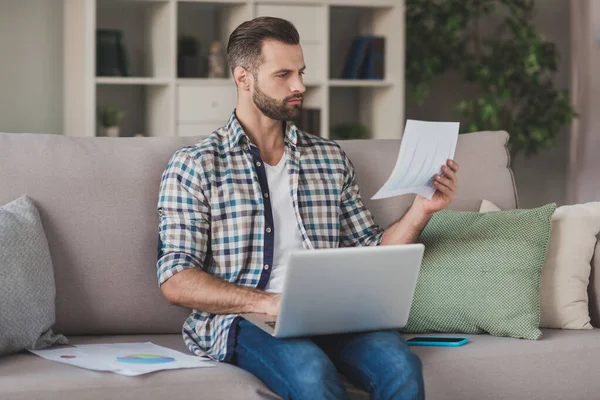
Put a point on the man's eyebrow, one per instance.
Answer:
(288, 70)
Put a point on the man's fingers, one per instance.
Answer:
(449, 173)
(453, 165)
(445, 181)
(443, 189)
(446, 184)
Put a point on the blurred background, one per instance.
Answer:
(147, 67)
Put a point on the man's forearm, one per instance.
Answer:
(407, 229)
(199, 290)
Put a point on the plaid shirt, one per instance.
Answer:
(215, 209)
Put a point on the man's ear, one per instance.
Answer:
(242, 78)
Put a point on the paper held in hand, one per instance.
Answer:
(425, 148)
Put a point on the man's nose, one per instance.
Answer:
(298, 85)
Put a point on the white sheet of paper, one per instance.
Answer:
(130, 359)
(425, 148)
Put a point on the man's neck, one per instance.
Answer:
(267, 134)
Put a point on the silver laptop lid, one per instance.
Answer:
(348, 289)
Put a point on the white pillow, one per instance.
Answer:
(566, 273)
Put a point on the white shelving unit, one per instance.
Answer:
(158, 102)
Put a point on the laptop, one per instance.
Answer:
(343, 290)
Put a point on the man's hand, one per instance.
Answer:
(271, 304)
(408, 229)
(446, 190)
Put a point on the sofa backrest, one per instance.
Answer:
(97, 198)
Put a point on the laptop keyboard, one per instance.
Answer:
(271, 324)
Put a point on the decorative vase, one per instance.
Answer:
(216, 61)
(111, 131)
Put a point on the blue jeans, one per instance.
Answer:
(307, 368)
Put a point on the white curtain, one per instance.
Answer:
(584, 158)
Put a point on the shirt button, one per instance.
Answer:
(258, 164)
(268, 230)
(267, 266)
(245, 147)
(266, 195)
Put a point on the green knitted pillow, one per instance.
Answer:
(481, 273)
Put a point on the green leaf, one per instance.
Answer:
(506, 72)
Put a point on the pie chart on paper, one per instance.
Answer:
(145, 359)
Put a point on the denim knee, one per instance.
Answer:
(416, 366)
(404, 382)
(316, 378)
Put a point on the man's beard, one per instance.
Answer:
(275, 109)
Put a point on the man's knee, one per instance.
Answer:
(405, 381)
(317, 378)
(415, 364)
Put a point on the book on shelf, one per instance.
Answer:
(366, 58)
(309, 120)
(111, 54)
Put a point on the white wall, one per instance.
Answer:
(541, 179)
(31, 66)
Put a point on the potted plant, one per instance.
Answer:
(507, 67)
(349, 131)
(109, 117)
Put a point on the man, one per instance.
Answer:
(232, 205)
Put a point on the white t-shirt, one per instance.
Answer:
(287, 235)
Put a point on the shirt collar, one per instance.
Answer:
(236, 132)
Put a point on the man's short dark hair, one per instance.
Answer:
(245, 42)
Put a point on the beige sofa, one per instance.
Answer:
(97, 198)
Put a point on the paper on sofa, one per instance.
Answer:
(130, 359)
(425, 148)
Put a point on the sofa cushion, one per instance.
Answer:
(566, 273)
(481, 273)
(563, 365)
(27, 376)
(27, 290)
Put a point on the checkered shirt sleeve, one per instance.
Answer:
(184, 218)
(357, 226)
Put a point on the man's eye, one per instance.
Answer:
(283, 75)
(302, 72)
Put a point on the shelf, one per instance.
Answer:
(144, 28)
(205, 81)
(163, 82)
(230, 82)
(226, 2)
(358, 83)
(312, 84)
(146, 107)
(126, 3)
(361, 3)
(357, 42)
(202, 26)
(294, 2)
(106, 80)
